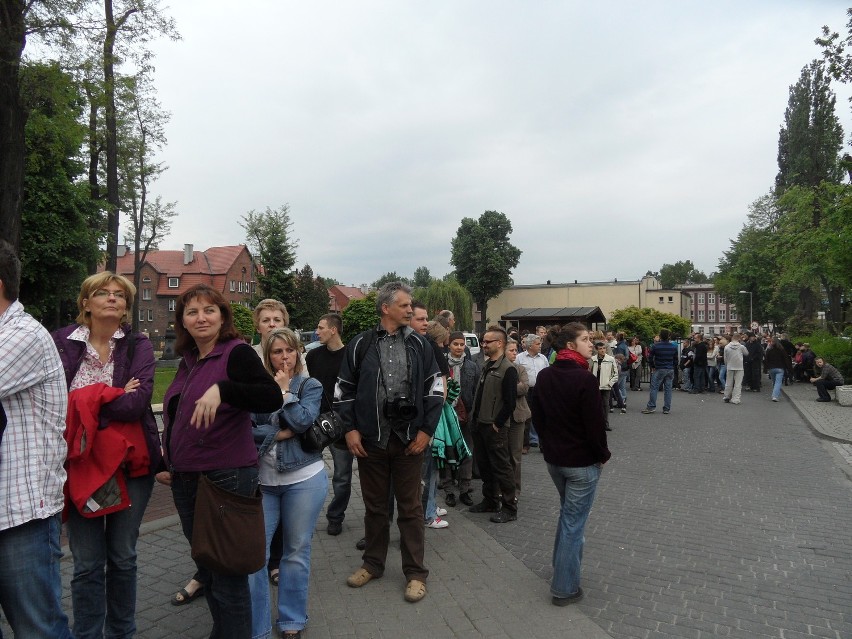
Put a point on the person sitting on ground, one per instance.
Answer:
(827, 378)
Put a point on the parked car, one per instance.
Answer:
(472, 343)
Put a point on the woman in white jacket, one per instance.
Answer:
(605, 368)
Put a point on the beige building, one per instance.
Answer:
(608, 296)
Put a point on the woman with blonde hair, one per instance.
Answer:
(100, 354)
(293, 484)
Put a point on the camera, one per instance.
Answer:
(400, 408)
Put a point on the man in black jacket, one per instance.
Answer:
(389, 396)
(493, 405)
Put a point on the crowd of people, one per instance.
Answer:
(420, 413)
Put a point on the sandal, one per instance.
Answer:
(182, 597)
(273, 576)
(415, 591)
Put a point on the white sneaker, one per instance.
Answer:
(774, 399)
(437, 523)
(440, 512)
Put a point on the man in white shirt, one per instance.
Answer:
(534, 362)
(33, 403)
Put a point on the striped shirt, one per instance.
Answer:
(34, 400)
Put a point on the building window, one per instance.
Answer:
(661, 299)
(712, 330)
(150, 315)
(722, 314)
(733, 315)
(172, 305)
(671, 299)
(253, 286)
(700, 315)
(701, 298)
(146, 279)
(711, 298)
(239, 287)
(722, 300)
(691, 314)
(233, 286)
(711, 315)
(141, 315)
(146, 294)
(174, 282)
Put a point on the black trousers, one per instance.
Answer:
(495, 465)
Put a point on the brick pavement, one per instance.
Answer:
(829, 419)
(714, 521)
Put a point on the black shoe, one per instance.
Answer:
(822, 399)
(450, 499)
(485, 506)
(504, 516)
(361, 543)
(565, 601)
(334, 528)
(607, 428)
(466, 499)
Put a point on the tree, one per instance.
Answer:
(672, 275)
(19, 19)
(422, 277)
(268, 238)
(142, 130)
(359, 315)
(449, 295)
(647, 322)
(311, 299)
(390, 277)
(243, 320)
(56, 241)
(484, 258)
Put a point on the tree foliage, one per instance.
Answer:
(422, 278)
(359, 315)
(243, 320)
(647, 322)
(448, 295)
(484, 257)
(56, 242)
(672, 275)
(310, 301)
(390, 277)
(268, 238)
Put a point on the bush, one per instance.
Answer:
(837, 351)
(359, 315)
(243, 320)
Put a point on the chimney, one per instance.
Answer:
(121, 250)
(187, 253)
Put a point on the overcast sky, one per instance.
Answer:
(616, 136)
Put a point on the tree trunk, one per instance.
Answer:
(12, 121)
(113, 203)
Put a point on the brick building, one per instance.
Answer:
(164, 275)
(340, 296)
(709, 312)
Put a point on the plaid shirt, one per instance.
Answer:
(34, 400)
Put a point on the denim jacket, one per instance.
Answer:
(297, 414)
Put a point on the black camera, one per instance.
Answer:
(400, 408)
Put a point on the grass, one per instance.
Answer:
(162, 378)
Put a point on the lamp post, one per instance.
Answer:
(750, 307)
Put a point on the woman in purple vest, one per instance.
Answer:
(219, 382)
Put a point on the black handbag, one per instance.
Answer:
(228, 534)
(326, 429)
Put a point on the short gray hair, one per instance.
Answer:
(531, 339)
(387, 293)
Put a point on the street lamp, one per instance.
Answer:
(750, 307)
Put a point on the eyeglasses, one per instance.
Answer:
(102, 292)
(488, 341)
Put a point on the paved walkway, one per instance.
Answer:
(714, 521)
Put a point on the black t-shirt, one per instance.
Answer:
(324, 365)
(440, 357)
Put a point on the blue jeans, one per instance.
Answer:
(777, 376)
(622, 386)
(666, 377)
(429, 477)
(576, 488)
(723, 375)
(297, 508)
(228, 597)
(103, 589)
(699, 379)
(341, 484)
(30, 585)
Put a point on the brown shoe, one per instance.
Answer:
(415, 591)
(358, 578)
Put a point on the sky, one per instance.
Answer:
(616, 136)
